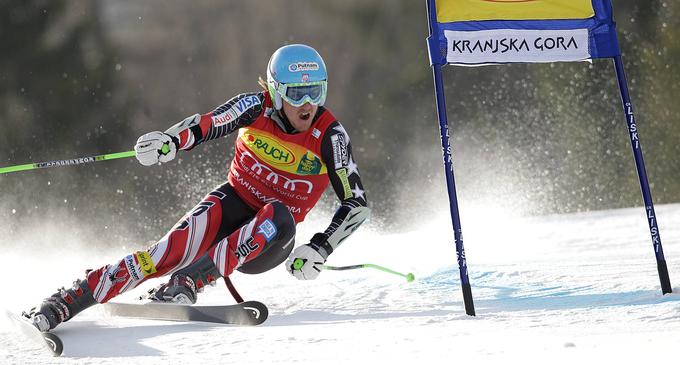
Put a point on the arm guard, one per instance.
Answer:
(350, 220)
(239, 111)
(343, 173)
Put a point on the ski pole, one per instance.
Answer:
(298, 263)
(409, 277)
(74, 161)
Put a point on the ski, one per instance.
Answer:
(47, 340)
(250, 313)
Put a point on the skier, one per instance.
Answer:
(289, 147)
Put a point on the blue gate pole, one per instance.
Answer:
(448, 163)
(642, 176)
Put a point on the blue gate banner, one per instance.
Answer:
(480, 32)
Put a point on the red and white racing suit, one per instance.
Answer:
(277, 173)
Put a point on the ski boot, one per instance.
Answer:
(61, 306)
(185, 284)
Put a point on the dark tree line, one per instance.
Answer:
(88, 77)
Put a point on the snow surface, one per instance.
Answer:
(578, 288)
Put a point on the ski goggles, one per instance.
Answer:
(307, 92)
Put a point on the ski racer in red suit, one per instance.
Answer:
(289, 147)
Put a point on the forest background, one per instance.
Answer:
(87, 77)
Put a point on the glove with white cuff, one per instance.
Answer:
(156, 147)
(306, 261)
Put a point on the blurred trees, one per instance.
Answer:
(88, 77)
(58, 99)
(651, 41)
(56, 80)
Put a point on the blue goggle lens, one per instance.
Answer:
(298, 93)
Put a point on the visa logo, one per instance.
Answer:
(246, 103)
(235, 111)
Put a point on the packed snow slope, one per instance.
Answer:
(578, 288)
